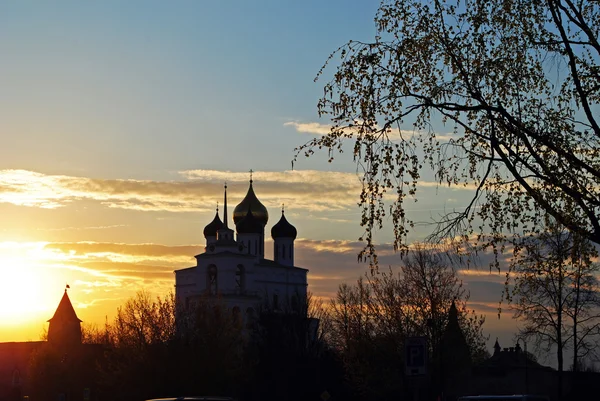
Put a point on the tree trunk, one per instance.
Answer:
(559, 341)
(575, 361)
(560, 371)
(577, 290)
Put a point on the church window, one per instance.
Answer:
(239, 278)
(212, 279)
(16, 378)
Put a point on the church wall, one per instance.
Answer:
(226, 274)
(283, 282)
(260, 283)
(185, 284)
(14, 368)
(283, 251)
(256, 242)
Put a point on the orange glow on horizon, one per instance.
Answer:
(33, 276)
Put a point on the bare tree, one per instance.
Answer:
(351, 318)
(143, 321)
(429, 284)
(157, 346)
(555, 293)
(371, 320)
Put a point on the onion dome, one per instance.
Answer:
(251, 202)
(283, 229)
(211, 229)
(249, 224)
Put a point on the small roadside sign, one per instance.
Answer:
(415, 356)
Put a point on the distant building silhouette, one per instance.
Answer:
(455, 357)
(235, 269)
(61, 365)
(64, 327)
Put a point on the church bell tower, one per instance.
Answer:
(65, 327)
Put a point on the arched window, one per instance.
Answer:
(240, 279)
(212, 280)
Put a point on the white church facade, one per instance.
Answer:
(233, 267)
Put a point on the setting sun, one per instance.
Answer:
(23, 295)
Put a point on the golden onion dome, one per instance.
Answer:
(251, 204)
(249, 225)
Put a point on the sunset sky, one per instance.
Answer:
(120, 122)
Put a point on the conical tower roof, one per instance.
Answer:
(454, 344)
(65, 311)
(497, 347)
(250, 201)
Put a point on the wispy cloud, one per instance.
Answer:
(309, 128)
(308, 190)
(314, 128)
(333, 246)
(124, 251)
(83, 228)
(29, 188)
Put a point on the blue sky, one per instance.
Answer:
(120, 121)
(151, 87)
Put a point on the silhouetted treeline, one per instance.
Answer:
(351, 348)
(369, 322)
(157, 348)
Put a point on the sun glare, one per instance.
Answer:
(23, 295)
